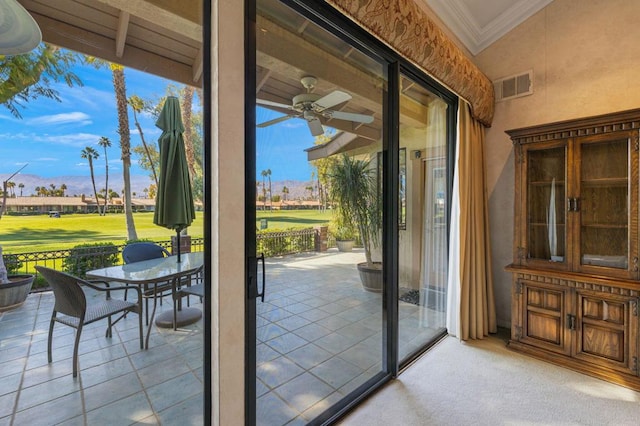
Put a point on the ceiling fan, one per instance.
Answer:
(310, 106)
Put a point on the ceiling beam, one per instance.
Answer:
(197, 66)
(275, 47)
(121, 34)
(90, 43)
(167, 14)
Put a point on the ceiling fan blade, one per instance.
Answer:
(275, 121)
(274, 104)
(315, 126)
(360, 118)
(334, 98)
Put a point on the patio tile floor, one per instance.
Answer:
(318, 340)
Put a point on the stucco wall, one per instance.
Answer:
(585, 57)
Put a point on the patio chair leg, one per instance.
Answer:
(49, 340)
(108, 334)
(140, 327)
(75, 350)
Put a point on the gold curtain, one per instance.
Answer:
(477, 315)
(404, 26)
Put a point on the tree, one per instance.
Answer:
(91, 154)
(137, 105)
(285, 193)
(21, 186)
(11, 186)
(105, 143)
(269, 176)
(264, 188)
(125, 145)
(63, 188)
(186, 108)
(29, 76)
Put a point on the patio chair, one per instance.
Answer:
(137, 252)
(191, 285)
(71, 302)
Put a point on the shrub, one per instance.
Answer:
(85, 257)
(12, 263)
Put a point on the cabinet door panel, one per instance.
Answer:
(544, 215)
(606, 194)
(544, 317)
(604, 330)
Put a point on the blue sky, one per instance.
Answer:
(50, 135)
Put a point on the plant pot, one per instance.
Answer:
(345, 245)
(371, 276)
(15, 292)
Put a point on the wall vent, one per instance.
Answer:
(514, 86)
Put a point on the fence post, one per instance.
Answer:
(321, 238)
(185, 244)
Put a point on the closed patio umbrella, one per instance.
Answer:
(174, 200)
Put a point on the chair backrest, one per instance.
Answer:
(70, 299)
(137, 252)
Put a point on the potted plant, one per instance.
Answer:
(353, 190)
(344, 233)
(14, 289)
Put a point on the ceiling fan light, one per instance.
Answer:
(19, 32)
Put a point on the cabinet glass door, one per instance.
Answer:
(604, 203)
(545, 215)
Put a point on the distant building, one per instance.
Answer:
(43, 205)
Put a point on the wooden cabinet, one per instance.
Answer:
(576, 283)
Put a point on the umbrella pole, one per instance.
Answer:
(178, 243)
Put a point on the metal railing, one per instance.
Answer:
(285, 242)
(24, 263)
(270, 243)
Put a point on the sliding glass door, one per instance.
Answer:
(347, 187)
(423, 206)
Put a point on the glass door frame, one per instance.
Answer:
(341, 26)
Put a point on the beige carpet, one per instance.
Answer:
(483, 383)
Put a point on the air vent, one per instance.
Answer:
(514, 86)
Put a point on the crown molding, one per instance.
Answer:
(460, 19)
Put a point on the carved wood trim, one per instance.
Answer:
(579, 284)
(601, 124)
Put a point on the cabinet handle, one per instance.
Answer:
(571, 321)
(576, 205)
(569, 200)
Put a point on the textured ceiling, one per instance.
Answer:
(478, 23)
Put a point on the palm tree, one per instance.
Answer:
(21, 186)
(37, 189)
(63, 188)
(146, 192)
(270, 193)
(105, 143)
(137, 105)
(125, 145)
(285, 192)
(264, 189)
(91, 154)
(10, 186)
(186, 108)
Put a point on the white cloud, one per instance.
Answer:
(47, 159)
(76, 118)
(87, 96)
(78, 140)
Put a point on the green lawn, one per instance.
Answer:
(19, 234)
(287, 219)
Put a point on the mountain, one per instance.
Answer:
(76, 185)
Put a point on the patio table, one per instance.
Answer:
(151, 273)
